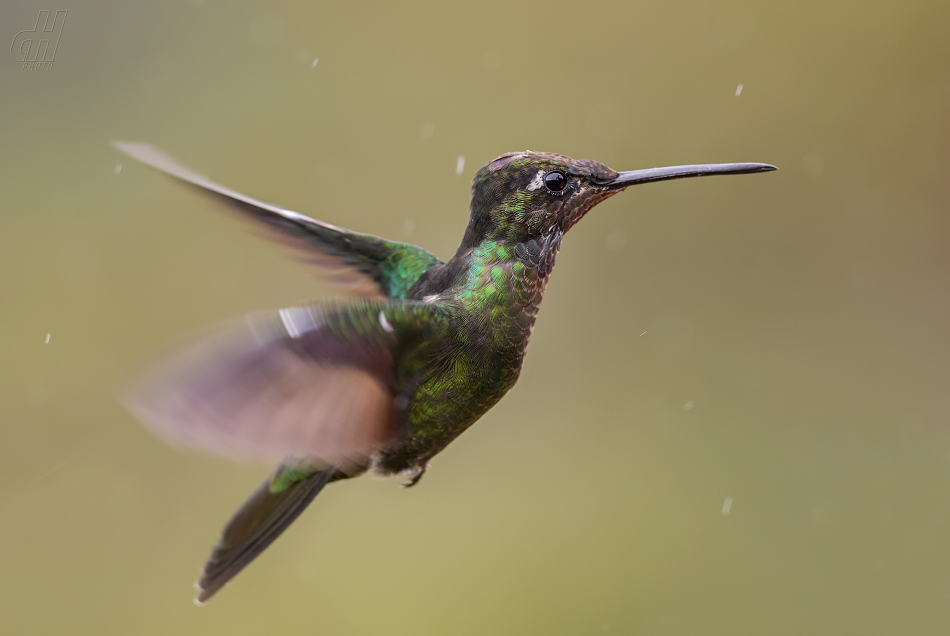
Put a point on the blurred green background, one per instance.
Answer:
(772, 455)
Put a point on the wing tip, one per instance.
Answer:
(155, 157)
(131, 148)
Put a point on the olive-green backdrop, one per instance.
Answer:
(734, 416)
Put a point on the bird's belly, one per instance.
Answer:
(449, 400)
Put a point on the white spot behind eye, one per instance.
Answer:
(537, 181)
(385, 323)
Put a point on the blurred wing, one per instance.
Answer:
(310, 382)
(361, 264)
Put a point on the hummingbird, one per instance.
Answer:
(386, 376)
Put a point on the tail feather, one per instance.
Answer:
(262, 518)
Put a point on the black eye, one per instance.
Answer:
(555, 181)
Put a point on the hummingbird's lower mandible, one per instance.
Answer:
(388, 377)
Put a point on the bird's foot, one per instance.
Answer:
(414, 475)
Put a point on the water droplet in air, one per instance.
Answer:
(726, 506)
(616, 241)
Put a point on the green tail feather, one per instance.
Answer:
(261, 519)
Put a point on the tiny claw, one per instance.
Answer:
(415, 475)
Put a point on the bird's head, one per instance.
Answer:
(522, 195)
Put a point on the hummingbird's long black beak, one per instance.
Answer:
(634, 177)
